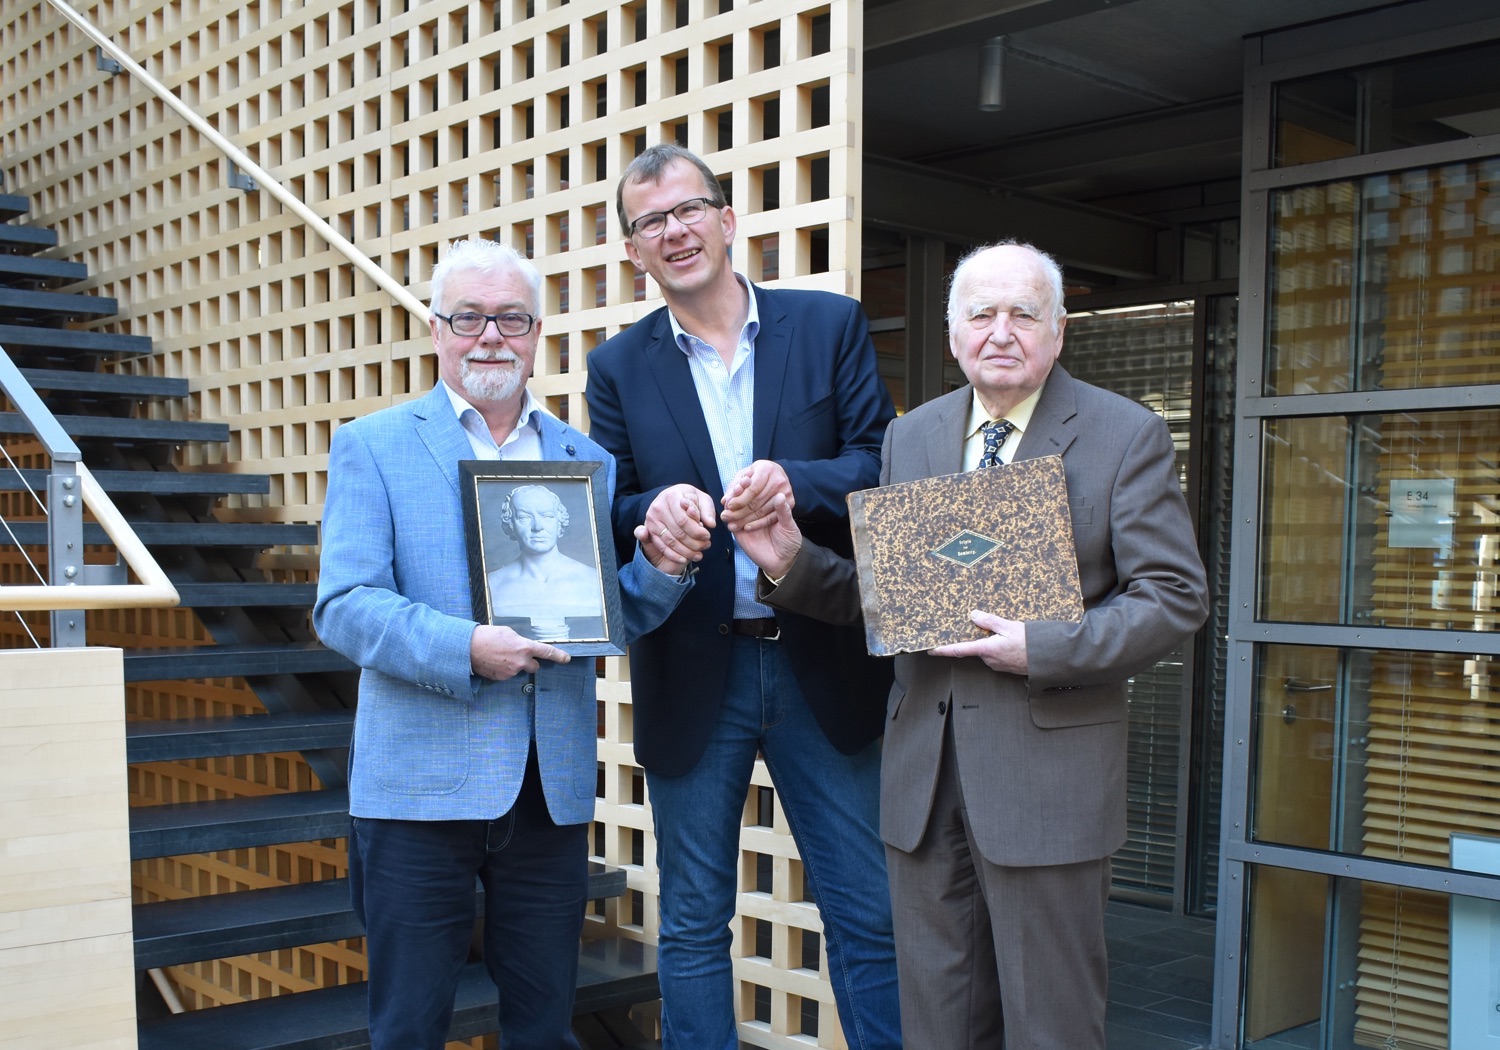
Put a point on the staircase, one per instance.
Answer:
(260, 632)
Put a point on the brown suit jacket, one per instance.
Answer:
(1041, 757)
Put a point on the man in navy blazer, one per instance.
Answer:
(474, 747)
(776, 390)
(1004, 786)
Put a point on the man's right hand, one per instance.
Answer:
(500, 653)
(677, 525)
(773, 545)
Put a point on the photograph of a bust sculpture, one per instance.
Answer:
(542, 584)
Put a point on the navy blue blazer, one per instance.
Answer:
(821, 410)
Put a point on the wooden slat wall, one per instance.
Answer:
(407, 125)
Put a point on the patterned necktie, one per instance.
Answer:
(995, 432)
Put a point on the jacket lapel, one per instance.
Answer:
(669, 366)
(945, 440)
(440, 431)
(1052, 427)
(773, 348)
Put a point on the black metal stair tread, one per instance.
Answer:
(245, 594)
(16, 337)
(31, 302)
(611, 972)
(12, 205)
(157, 482)
(40, 268)
(184, 533)
(229, 661)
(27, 238)
(165, 431)
(234, 823)
(105, 384)
(166, 740)
(169, 933)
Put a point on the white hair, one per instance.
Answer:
(1050, 268)
(488, 257)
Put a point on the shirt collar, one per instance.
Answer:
(1019, 417)
(530, 408)
(748, 331)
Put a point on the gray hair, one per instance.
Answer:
(650, 165)
(1050, 267)
(508, 510)
(487, 257)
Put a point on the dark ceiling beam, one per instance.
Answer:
(912, 199)
(1144, 140)
(908, 28)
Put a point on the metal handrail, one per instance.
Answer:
(154, 591)
(69, 481)
(286, 197)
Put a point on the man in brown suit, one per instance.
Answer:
(1003, 786)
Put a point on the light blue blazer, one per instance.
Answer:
(431, 740)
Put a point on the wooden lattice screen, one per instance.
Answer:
(406, 125)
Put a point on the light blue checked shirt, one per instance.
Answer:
(728, 400)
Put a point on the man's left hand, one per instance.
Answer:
(1003, 649)
(747, 502)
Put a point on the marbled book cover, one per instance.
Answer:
(929, 551)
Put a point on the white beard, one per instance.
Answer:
(490, 384)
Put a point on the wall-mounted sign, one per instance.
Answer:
(1422, 512)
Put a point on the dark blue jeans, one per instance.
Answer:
(831, 802)
(412, 884)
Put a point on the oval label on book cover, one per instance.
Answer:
(967, 548)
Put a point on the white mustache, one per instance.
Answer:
(504, 356)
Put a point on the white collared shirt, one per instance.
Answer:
(1018, 417)
(522, 443)
(727, 396)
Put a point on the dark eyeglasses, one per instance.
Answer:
(469, 323)
(688, 213)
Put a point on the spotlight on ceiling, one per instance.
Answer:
(991, 75)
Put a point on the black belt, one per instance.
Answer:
(764, 627)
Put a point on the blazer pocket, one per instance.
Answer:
(1081, 511)
(819, 407)
(1068, 708)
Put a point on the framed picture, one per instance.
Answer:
(541, 557)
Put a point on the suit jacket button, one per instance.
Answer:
(723, 628)
(942, 707)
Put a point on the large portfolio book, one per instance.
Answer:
(929, 551)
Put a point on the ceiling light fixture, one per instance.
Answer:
(991, 75)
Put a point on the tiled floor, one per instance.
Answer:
(1161, 976)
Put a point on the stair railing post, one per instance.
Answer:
(65, 547)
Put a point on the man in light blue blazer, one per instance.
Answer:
(474, 747)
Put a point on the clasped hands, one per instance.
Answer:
(768, 533)
(679, 521)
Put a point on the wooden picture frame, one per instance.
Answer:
(541, 554)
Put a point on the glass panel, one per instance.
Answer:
(1306, 496)
(1315, 119)
(1378, 753)
(1412, 102)
(1414, 495)
(1351, 965)
(1146, 353)
(1388, 282)
(1295, 727)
